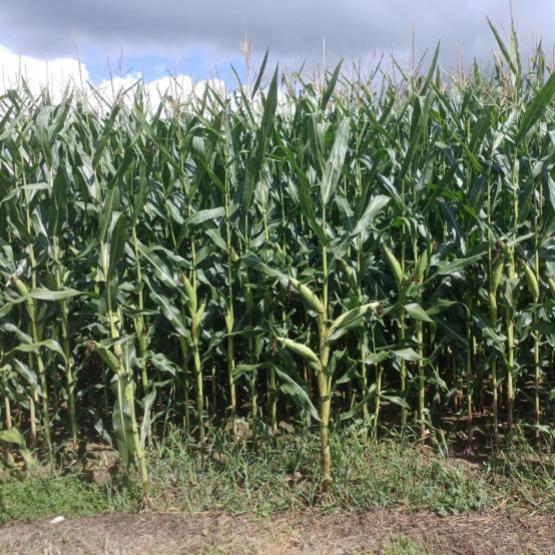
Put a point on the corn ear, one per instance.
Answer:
(111, 358)
(310, 298)
(229, 320)
(497, 274)
(197, 319)
(24, 292)
(300, 349)
(492, 307)
(533, 285)
(20, 286)
(421, 266)
(551, 283)
(190, 292)
(394, 266)
(350, 274)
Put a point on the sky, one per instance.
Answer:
(93, 40)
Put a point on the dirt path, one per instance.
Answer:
(499, 533)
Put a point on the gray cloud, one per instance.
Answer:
(290, 28)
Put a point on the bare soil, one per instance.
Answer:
(119, 533)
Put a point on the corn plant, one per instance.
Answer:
(347, 252)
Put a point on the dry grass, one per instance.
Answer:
(370, 532)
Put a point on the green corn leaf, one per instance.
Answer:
(217, 238)
(172, 314)
(414, 310)
(161, 270)
(395, 400)
(111, 204)
(504, 50)
(139, 197)
(258, 79)
(335, 161)
(448, 267)
(407, 354)
(13, 435)
(28, 375)
(294, 389)
(330, 86)
(375, 206)
(6, 308)
(122, 422)
(347, 415)
(202, 216)
(147, 403)
(376, 358)
(536, 109)
(348, 319)
(242, 369)
(161, 362)
(50, 344)
(118, 238)
(27, 456)
(254, 165)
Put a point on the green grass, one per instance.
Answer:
(36, 497)
(404, 546)
(525, 476)
(268, 477)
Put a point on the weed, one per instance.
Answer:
(57, 495)
(404, 546)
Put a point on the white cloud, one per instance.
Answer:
(54, 75)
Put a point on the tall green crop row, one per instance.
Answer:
(379, 256)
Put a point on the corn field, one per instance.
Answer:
(307, 252)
